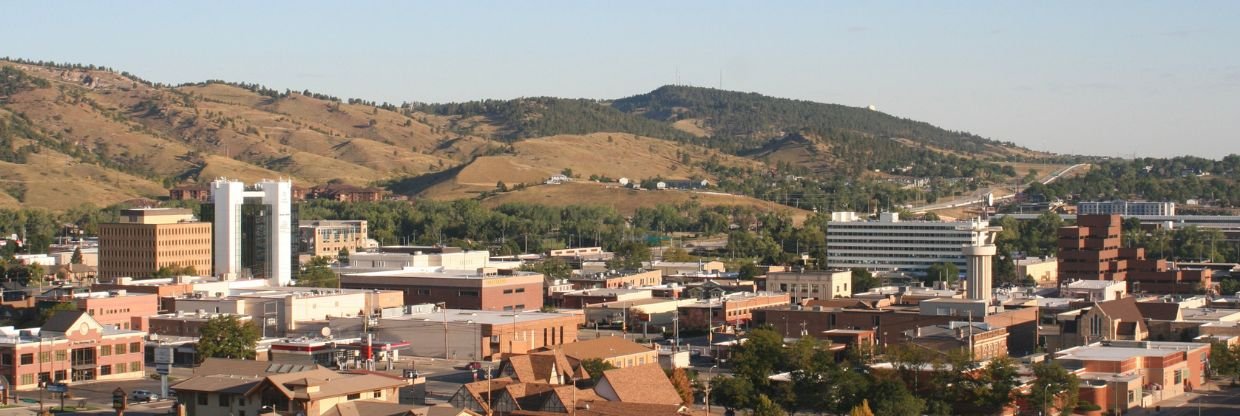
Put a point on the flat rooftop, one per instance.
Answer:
(1207, 314)
(631, 303)
(478, 316)
(1124, 351)
(441, 274)
(1094, 284)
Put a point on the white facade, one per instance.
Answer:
(228, 197)
(1126, 208)
(980, 252)
(890, 244)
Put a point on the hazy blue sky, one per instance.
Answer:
(1107, 78)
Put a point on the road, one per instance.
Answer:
(975, 199)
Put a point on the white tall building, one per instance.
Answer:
(890, 244)
(980, 253)
(254, 229)
(1126, 208)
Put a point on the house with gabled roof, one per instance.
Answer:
(551, 367)
(637, 384)
(234, 387)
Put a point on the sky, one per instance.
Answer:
(1109, 78)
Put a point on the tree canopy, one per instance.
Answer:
(226, 336)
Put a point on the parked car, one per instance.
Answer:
(143, 396)
(472, 366)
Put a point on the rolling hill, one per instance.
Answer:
(71, 134)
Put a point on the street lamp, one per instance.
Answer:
(709, 374)
(1045, 396)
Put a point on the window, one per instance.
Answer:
(120, 349)
(122, 368)
(425, 292)
(45, 356)
(135, 346)
(224, 399)
(27, 379)
(135, 366)
(241, 401)
(507, 291)
(105, 370)
(202, 398)
(1179, 376)
(105, 350)
(6, 359)
(378, 393)
(60, 355)
(470, 293)
(521, 290)
(27, 359)
(354, 396)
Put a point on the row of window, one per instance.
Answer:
(91, 312)
(511, 291)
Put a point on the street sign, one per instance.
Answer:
(57, 388)
(163, 369)
(163, 355)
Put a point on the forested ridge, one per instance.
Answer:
(525, 118)
(749, 118)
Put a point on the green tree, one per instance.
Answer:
(997, 382)
(732, 392)
(941, 271)
(227, 337)
(892, 398)
(318, 273)
(595, 368)
(1054, 386)
(77, 256)
(765, 407)
(165, 272)
(552, 268)
(630, 255)
(759, 357)
(863, 280)
(1224, 360)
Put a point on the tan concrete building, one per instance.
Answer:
(1044, 270)
(822, 284)
(147, 239)
(616, 279)
(485, 288)
(616, 351)
(326, 238)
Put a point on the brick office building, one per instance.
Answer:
(1092, 250)
(487, 289)
(70, 347)
(119, 308)
(147, 239)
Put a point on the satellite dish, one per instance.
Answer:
(327, 332)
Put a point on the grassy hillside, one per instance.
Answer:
(604, 155)
(161, 135)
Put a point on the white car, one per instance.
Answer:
(143, 396)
